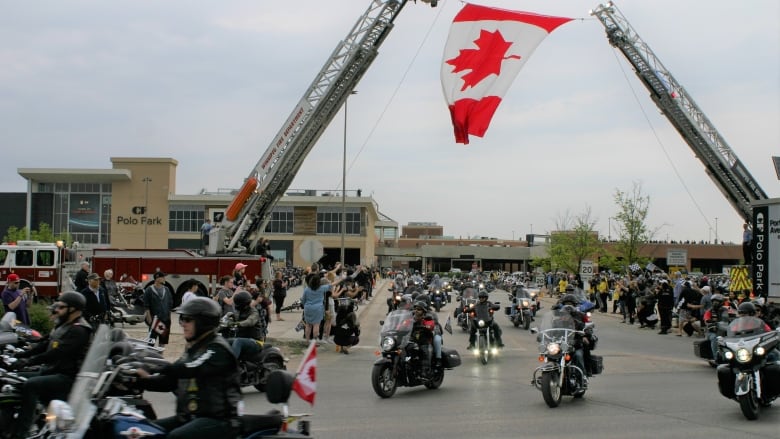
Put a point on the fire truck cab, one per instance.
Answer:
(38, 264)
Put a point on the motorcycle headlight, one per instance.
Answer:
(553, 348)
(729, 355)
(760, 351)
(388, 343)
(526, 303)
(743, 355)
(481, 323)
(482, 285)
(59, 416)
(471, 305)
(398, 298)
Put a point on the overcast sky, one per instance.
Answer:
(210, 83)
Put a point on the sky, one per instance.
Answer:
(211, 83)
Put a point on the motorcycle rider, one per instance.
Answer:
(422, 333)
(569, 303)
(205, 379)
(481, 311)
(717, 314)
(437, 330)
(61, 356)
(747, 310)
(250, 331)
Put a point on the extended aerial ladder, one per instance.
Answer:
(251, 208)
(720, 162)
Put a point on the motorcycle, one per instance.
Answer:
(126, 302)
(467, 302)
(255, 369)
(522, 310)
(99, 415)
(296, 305)
(401, 360)
(487, 347)
(558, 341)
(12, 332)
(747, 377)
(438, 300)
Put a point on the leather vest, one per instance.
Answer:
(249, 331)
(68, 366)
(216, 396)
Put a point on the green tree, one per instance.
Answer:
(631, 224)
(43, 234)
(576, 240)
(544, 263)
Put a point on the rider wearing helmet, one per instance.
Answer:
(61, 356)
(423, 331)
(205, 379)
(483, 310)
(712, 317)
(249, 335)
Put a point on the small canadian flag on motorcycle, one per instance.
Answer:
(305, 384)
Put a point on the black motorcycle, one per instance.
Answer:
(296, 305)
(558, 341)
(486, 347)
(402, 361)
(467, 301)
(523, 309)
(438, 299)
(91, 411)
(748, 377)
(255, 369)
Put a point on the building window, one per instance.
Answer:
(329, 221)
(186, 219)
(24, 258)
(281, 220)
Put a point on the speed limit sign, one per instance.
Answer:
(586, 270)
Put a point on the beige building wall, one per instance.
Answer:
(139, 211)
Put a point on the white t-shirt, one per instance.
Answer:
(187, 296)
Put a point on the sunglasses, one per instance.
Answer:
(186, 319)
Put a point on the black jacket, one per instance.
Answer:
(65, 350)
(80, 280)
(95, 311)
(204, 379)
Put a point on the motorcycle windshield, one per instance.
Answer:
(8, 322)
(398, 323)
(469, 293)
(522, 293)
(745, 326)
(87, 382)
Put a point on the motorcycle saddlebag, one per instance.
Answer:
(450, 358)
(596, 364)
(702, 349)
(269, 423)
(770, 379)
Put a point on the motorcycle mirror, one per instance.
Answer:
(381, 322)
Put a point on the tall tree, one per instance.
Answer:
(576, 240)
(633, 232)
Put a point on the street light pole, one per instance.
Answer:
(716, 230)
(146, 181)
(344, 181)
(609, 230)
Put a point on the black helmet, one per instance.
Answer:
(570, 299)
(568, 309)
(569, 287)
(746, 308)
(424, 298)
(717, 300)
(242, 299)
(205, 311)
(482, 294)
(73, 300)
(420, 304)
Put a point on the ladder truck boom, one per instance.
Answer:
(720, 162)
(251, 208)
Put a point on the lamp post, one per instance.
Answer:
(146, 181)
(344, 180)
(609, 229)
(716, 230)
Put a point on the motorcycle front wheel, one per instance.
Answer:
(383, 381)
(484, 352)
(551, 390)
(749, 405)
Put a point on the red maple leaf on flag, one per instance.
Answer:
(484, 61)
(305, 383)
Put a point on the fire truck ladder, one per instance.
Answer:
(273, 174)
(720, 162)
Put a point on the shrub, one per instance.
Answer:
(39, 317)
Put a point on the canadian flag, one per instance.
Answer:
(305, 384)
(485, 51)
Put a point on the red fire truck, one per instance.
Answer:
(48, 269)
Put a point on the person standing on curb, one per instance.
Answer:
(158, 302)
(279, 294)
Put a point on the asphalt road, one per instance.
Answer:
(652, 387)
